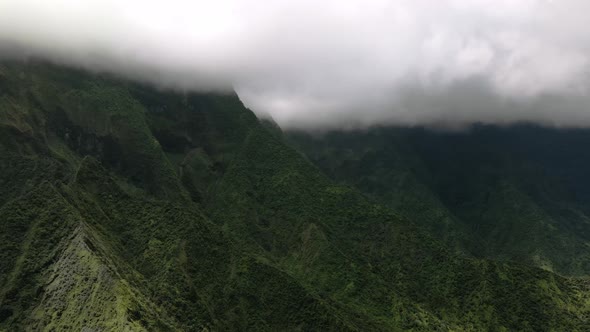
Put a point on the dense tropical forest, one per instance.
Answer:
(128, 208)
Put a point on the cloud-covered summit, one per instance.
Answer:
(332, 63)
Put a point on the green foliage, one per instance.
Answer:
(515, 194)
(128, 209)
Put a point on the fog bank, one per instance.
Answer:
(332, 63)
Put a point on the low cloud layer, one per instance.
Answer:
(333, 63)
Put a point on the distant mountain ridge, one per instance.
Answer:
(125, 208)
(518, 193)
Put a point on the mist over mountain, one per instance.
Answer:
(294, 165)
(124, 208)
(333, 64)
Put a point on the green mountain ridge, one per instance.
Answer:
(517, 193)
(125, 208)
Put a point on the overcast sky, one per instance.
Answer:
(318, 63)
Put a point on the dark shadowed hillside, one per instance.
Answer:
(518, 193)
(124, 208)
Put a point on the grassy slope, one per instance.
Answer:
(164, 212)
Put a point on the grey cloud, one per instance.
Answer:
(332, 63)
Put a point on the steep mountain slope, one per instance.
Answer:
(516, 193)
(127, 208)
(135, 254)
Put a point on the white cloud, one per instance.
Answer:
(332, 63)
